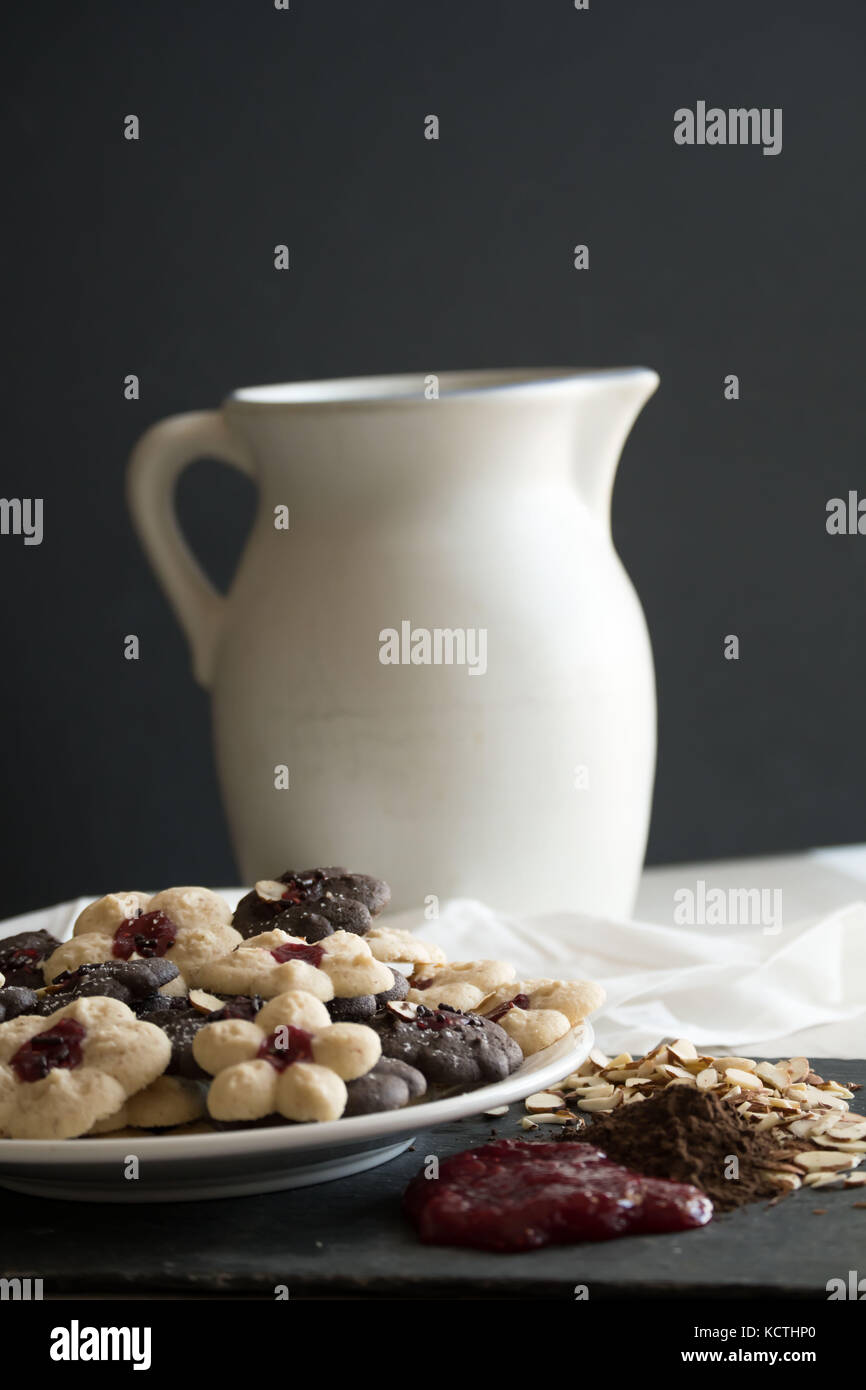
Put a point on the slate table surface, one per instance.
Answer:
(348, 1239)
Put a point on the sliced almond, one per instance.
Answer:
(707, 1078)
(771, 1075)
(741, 1063)
(205, 1003)
(497, 1111)
(849, 1129)
(855, 1180)
(596, 1103)
(769, 1122)
(786, 1179)
(543, 1100)
(270, 890)
(683, 1050)
(855, 1146)
(822, 1180)
(746, 1079)
(829, 1159)
(798, 1068)
(403, 1008)
(669, 1069)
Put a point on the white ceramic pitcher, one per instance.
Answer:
(470, 524)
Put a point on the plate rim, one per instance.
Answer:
(383, 1124)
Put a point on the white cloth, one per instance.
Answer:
(801, 992)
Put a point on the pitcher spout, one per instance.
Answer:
(608, 404)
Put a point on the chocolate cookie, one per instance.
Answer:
(134, 982)
(299, 901)
(362, 1007)
(16, 1000)
(21, 957)
(451, 1048)
(389, 1086)
(181, 1023)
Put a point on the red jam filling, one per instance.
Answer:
(298, 950)
(23, 959)
(300, 890)
(151, 934)
(516, 1194)
(285, 1046)
(520, 1001)
(59, 1046)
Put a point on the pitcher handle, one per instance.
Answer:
(156, 462)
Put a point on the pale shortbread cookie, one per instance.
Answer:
(113, 1055)
(340, 965)
(291, 1061)
(461, 984)
(166, 1102)
(201, 919)
(394, 944)
(554, 1006)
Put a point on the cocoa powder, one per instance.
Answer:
(691, 1136)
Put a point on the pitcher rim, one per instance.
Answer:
(408, 388)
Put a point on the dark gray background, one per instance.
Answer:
(260, 127)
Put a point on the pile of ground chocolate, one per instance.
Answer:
(690, 1136)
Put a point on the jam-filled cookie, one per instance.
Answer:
(22, 957)
(272, 962)
(60, 1075)
(536, 1013)
(188, 926)
(291, 1061)
(451, 1048)
(461, 983)
(306, 902)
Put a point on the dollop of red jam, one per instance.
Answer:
(298, 950)
(59, 1046)
(516, 1194)
(151, 934)
(520, 1001)
(22, 959)
(302, 887)
(285, 1046)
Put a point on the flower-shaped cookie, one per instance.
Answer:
(462, 984)
(269, 964)
(166, 1102)
(59, 1075)
(292, 1061)
(189, 926)
(392, 943)
(535, 1013)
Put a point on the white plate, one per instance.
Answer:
(189, 1167)
(237, 1163)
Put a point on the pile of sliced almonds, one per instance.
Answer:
(786, 1097)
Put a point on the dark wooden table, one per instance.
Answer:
(348, 1239)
